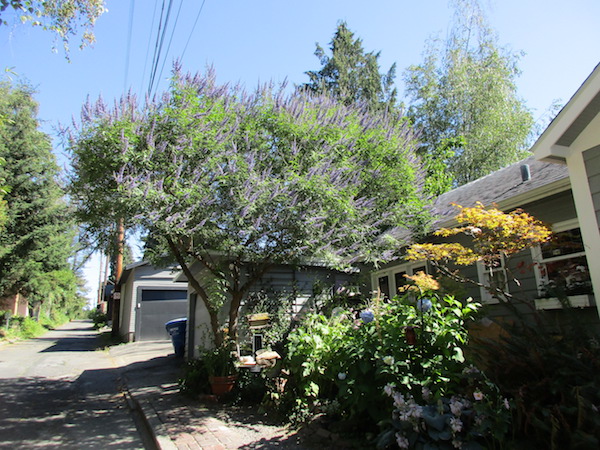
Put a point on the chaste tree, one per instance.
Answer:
(228, 183)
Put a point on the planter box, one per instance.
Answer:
(576, 301)
(258, 320)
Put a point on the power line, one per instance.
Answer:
(148, 46)
(193, 28)
(170, 40)
(160, 40)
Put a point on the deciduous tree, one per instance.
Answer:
(463, 99)
(63, 17)
(235, 182)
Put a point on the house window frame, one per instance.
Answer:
(410, 268)
(580, 300)
(483, 275)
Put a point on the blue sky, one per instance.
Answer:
(259, 41)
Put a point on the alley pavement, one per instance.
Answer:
(149, 372)
(59, 391)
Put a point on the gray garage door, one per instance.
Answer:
(156, 308)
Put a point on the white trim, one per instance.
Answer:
(576, 301)
(482, 274)
(391, 272)
(545, 146)
(536, 254)
(586, 213)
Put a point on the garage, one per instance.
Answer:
(156, 308)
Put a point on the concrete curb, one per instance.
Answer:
(151, 421)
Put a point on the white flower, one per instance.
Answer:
(341, 376)
(506, 404)
(456, 407)
(426, 393)
(399, 400)
(388, 389)
(457, 443)
(478, 395)
(456, 424)
(389, 360)
(402, 441)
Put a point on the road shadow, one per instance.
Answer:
(59, 414)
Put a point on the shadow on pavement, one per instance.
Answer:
(57, 414)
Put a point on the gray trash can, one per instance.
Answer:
(176, 329)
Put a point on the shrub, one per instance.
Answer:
(350, 357)
(194, 380)
(99, 318)
(554, 377)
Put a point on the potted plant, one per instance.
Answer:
(221, 368)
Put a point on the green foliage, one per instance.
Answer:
(279, 308)
(99, 319)
(351, 360)
(475, 417)
(237, 182)
(352, 75)
(62, 17)
(194, 380)
(463, 98)
(16, 327)
(553, 376)
(220, 361)
(36, 241)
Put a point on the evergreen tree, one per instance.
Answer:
(463, 98)
(36, 241)
(351, 75)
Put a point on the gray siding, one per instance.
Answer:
(591, 158)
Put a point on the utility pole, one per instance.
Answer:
(116, 295)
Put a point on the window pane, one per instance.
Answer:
(568, 276)
(384, 287)
(563, 243)
(400, 280)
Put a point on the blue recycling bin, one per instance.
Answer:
(176, 329)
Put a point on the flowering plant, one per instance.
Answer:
(476, 418)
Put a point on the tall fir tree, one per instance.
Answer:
(463, 98)
(352, 75)
(36, 241)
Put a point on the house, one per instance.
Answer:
(559, 185)
(573, 140)
(150, 297)
(543, 190)
(305, 283)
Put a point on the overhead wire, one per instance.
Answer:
(160, 40)
(148, 46)
(193, 28)
(170, 39)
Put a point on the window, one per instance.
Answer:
(493, 275)
(389, 280)
(561, 265)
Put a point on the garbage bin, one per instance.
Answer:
(176, 328)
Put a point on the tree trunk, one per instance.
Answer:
(214, 315)
(234, 311)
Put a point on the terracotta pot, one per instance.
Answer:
(222, 385)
